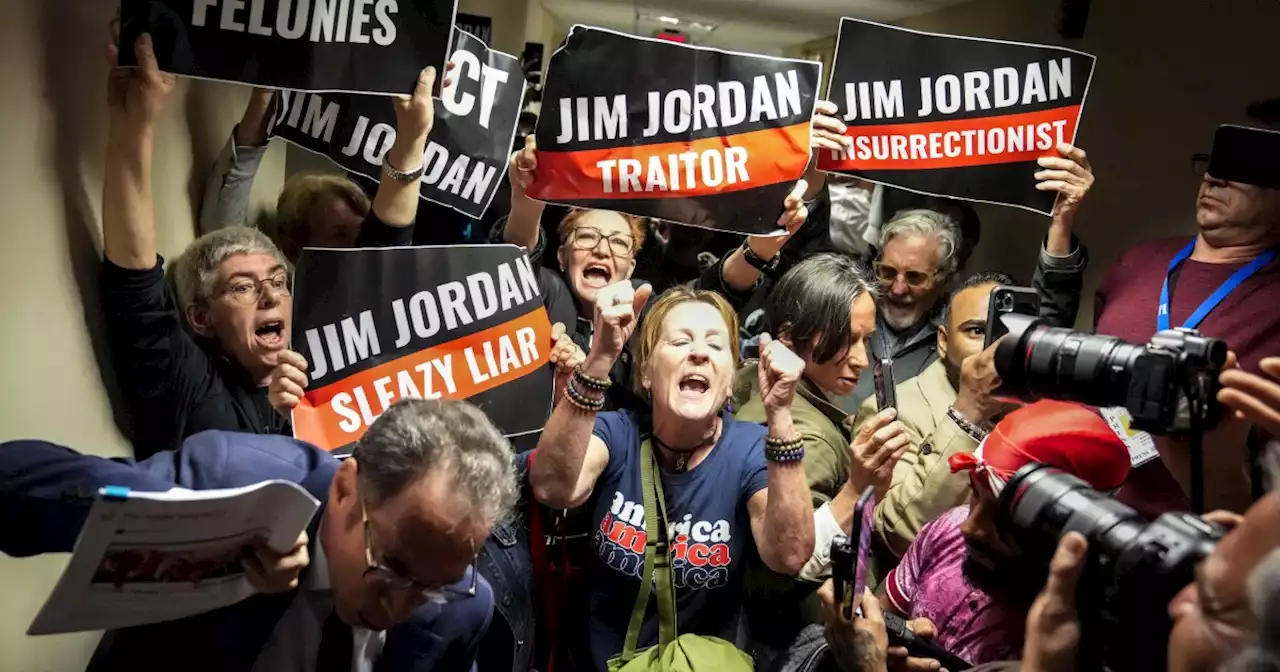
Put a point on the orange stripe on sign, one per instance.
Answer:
(339, 413)
(957, 143)
(702, 167)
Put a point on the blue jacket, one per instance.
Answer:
(46, 491)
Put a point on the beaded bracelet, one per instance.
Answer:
(784, 456)
(974, 431)
(597, 384)
(581, 401)
(783, 444)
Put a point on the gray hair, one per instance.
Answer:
(195, 271)
(921, 222)
(416, 437)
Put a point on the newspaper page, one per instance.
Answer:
(146, 557)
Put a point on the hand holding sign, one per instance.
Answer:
(520, 170)
(618, 309)
(136, 95)
(1070, 175)
(565, 356)
(828, 131)
(415, 114)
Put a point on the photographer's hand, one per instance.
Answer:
(1252, 397)
(1053, 627)
(901, 660)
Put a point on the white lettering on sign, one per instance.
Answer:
(355, 21)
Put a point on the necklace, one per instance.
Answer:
(684, 455)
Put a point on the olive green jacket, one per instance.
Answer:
(823, 426)
(923, 485)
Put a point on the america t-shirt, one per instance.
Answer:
(709, 531)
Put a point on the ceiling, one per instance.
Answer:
(759, 26)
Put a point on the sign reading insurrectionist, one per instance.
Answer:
(467, 151)
(380, 325)
(954, 116)
(356, 46)
(688, 134)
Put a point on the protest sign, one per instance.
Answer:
(467, 151)
(357, 46)
(954, 116)
(382, 324)
(480, 26)
(689, 134)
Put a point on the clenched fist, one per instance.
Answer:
(779, 375)
(565, 357)
(618, 309)
(288, 382)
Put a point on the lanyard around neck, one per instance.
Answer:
(1206, 306)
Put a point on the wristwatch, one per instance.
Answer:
(756, 262)
(401, 176)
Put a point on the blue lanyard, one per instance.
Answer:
(1207, 306)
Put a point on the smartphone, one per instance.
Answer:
(1247, 155)
(1006, 299)
(850, 559)
(882, 372)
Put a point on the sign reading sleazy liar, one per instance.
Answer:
(954, 116)
(384, 324)
(688, 134)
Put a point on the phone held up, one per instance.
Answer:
(882, 372)
(849, 562)
(1006, 299)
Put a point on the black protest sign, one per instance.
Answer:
(954, 116)
(480, 26)
(467, 151)
(688, 134)
(380, 325)
(360, 46)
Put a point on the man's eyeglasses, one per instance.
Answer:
(381, 575)
(587, 238)
(246, 292)
(1199, 164)
(888, 274)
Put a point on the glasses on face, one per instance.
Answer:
(888, 274)
(383, 576)
(246, 292)
(1199, 164)
(587, 238)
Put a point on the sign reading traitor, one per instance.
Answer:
(954, 116)
(470, 142)
(688, 134)
(360, 46)
(380, 325)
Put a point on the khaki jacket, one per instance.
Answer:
(923, 485)
(823, 426)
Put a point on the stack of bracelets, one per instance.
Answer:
(586, 393)
(783, 450)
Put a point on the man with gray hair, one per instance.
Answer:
(204, 362)
(919, 252)
(395, 542)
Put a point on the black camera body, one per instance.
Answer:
(1134, 568)
(1169, 385)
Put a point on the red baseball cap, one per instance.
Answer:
(1069, 437)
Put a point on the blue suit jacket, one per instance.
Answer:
(46, 491)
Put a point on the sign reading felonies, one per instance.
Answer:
(688, 134)
(954, 116)
(380, 325)
(466, 155)
(359, 46)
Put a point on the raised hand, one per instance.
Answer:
(565, 357)
(794, 214)
(136, 95)
(828, 131)
(288, 381)
(618, 309)
(1070, 175)
(880, 442)
(978, 381)
(415, 114)
(1252, 397)
(779, 375)
(521, 166)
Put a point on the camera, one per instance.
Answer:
(1133, 570)
(1169, 385)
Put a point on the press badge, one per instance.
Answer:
(1142, 447)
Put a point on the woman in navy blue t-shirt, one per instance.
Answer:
(731, 488)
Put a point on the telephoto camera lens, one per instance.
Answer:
(1155, 382)
(1133, 571)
